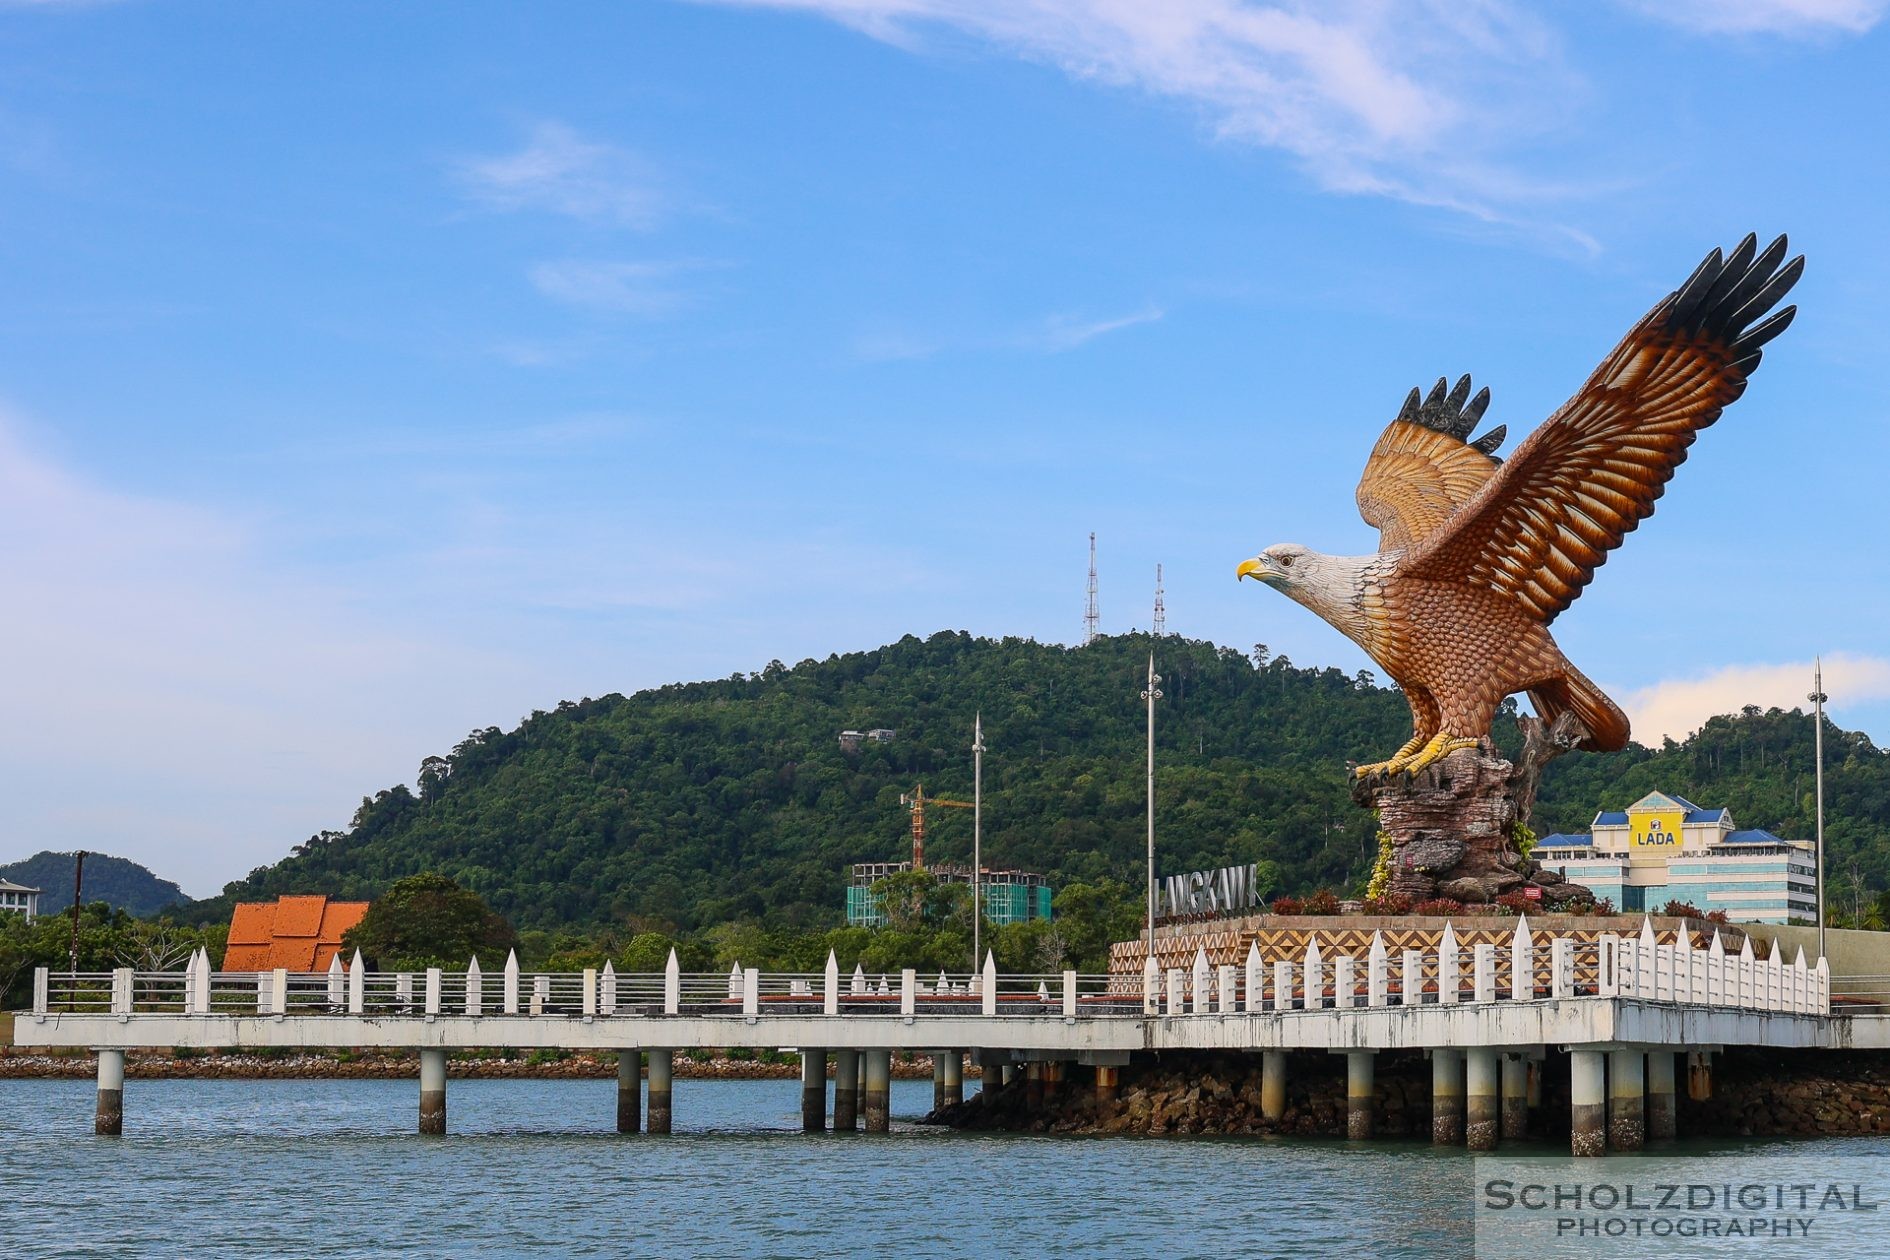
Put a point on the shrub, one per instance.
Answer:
(1516, 903)
(1682, 910)
(1439, 907)
(1389, 903)
(1286, 905)
(1325, 901)
(1718, 916)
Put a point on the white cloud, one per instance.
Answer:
(1778, 17)
(630, 288)
(1414, 100)
(1052, 335)
(1677, 707)
(562, 172)
(1066, 332)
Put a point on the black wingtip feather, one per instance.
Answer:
(1726, 294)
(1454, 413)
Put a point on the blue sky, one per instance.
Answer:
(373, 374)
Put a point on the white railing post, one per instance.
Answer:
(1716, 971)
(1177, 992)
(1561, 967)
(1483, 962)
(607, 989)
(200, 967)
(830, 986)
(262, 993)
(1449, 973)
(856, 987)
(509, 991)
(190, 982)
(672, 984)
(475, 987)
(1151, 986)
(734, 980)
(1411, 978)
(279, 992)
(357, 986)
(1229, 976)
(403, 992)
(1522, 962)
(1069, 995)
(1198, 983)
(1314, 979)
(1801, 988)
(908, 992)
(42, 984)
(1377, 973)
(1748, 980)
(121, 990)
(1282, 985)
(1683, 964)
(541, 995)
(988, 996)
(1608, 979)
(434, 986)
(1255, 997)
(337, 982)
(1344, 982)
(1822, 1003)
(751, 990)
(587, 1000)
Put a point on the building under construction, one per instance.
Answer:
(1008, 896)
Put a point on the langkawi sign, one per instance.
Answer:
(1226, 891)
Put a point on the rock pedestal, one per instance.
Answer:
(1453, 825)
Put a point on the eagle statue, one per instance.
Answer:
(1477, 556)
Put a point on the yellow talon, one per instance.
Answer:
(1440, 747)
(1398, 761)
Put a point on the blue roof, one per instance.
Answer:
(1752, 835)
(1561, 841)
(1706, 815)
(1610, 818)
(1683, 803)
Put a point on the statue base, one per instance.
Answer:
(1453, 825)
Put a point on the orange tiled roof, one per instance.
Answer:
(295, 933)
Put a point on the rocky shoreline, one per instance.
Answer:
(368, 1065)
(1755, 1094)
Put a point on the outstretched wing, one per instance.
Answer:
(1539, 529)
(1425, 466)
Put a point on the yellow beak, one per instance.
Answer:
(1251, 568)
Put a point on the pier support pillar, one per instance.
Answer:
(109, 1121)
(1447, 1097)
(1108, 1082)
(878, 1102)
(433, 1091)
(1587, 1102)
(1360, 1091)
(662, 1066)
(1662, 1121)
(1515, 1097)
(954, 1077)
(813, 1091)
(629, 1091)
(1273, 1084)
(1033, 1085)
(1627, 1115)
(846, 1091)
(938, 1081)
(1053, 1070)
(1700, 1075)
(1482, 1082)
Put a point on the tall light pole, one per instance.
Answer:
(1151, 696)
(977, 840)
(1817, 698)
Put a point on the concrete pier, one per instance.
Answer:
(433, 1091)
(813, 1091)
(1482, 1080)
(1515, 1097)
(629, 1091)
(110, 1118)
(1700, 1075)
(1627, 1116)
(1053, 1070)
(846, 1091)
(1108, 1083)
(1588, 1102)
(1273, 1084)
(661, 1064)
(1447, 1097)
(1360, 1088)
(1033, 1085)
(878, 1103)
(938, 1081)
(1662, 1120)
(954, 1077)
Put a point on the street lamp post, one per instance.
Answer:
(1817, 698)
(1151, 695)
(977, 841)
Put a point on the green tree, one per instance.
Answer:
(429, 920)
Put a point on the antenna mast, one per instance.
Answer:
(1092, 620)
(1161, 610)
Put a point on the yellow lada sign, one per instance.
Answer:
(1654, 831)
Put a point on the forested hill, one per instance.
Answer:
(116, 881)
(700, 803)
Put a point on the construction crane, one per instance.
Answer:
(916, 801)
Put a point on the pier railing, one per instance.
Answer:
(1525, 970)
(1635, 967)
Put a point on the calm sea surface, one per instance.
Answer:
(531, 1168)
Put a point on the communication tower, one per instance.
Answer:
(1161, 611)
(1092, 620)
